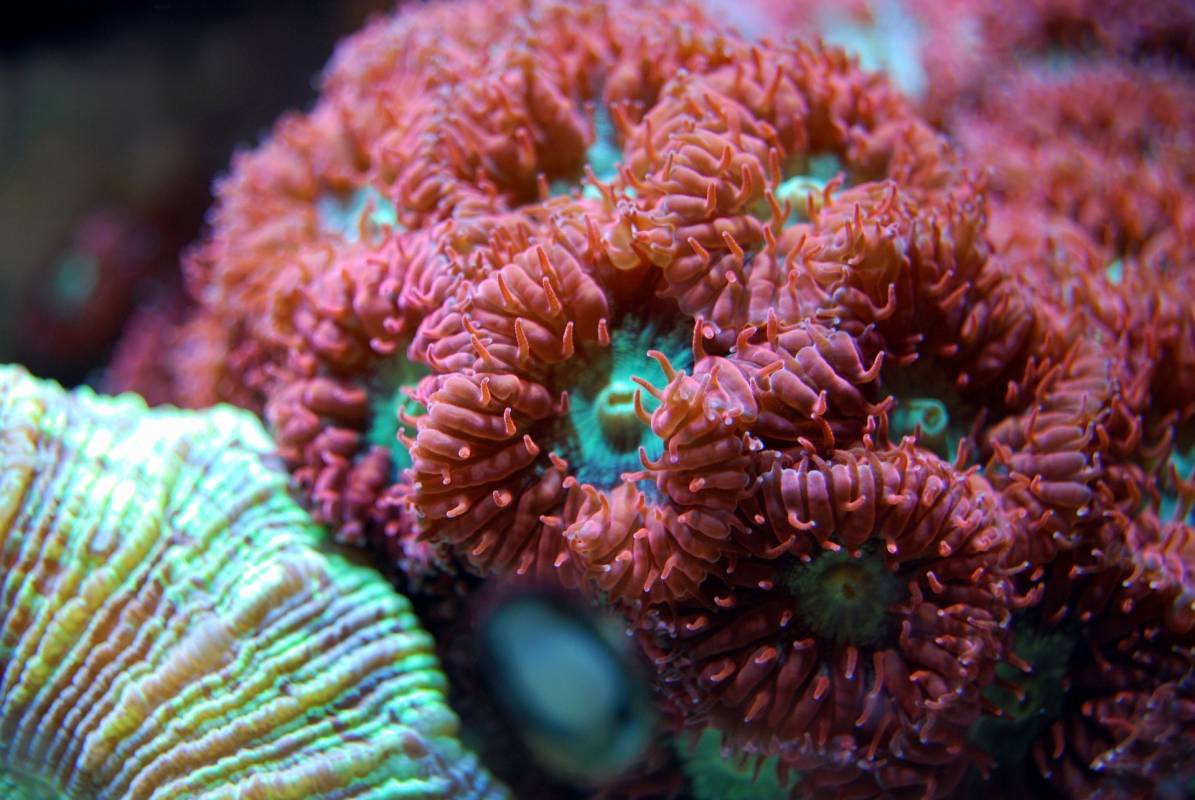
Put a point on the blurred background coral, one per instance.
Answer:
(114, 118)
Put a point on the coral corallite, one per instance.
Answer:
(866, 653)
(171, 624)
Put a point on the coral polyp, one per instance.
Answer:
(859, 661)
(173, 625)
(535, 315)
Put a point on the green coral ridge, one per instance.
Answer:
(715, 776)
(846, 598)
(173, 625)
(17, 786)
(362, 210)
(392, 399)
(1034, 703)
(603, 433)
(928, 419)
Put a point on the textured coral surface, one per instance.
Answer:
(172, 626)
(725, 336)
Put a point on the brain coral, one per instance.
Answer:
(716, 332)
(170, 625)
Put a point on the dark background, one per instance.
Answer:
(130, 108)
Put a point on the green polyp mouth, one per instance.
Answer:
(807, 185)
(74, 279)
(19, 785)
(615, 408)
(715, 776)
(929, 408)
(570, 686)
(928, 413)
(1030, 702)
(351, 214)
(391, 401)
(603, 432)
(846, 598)
(927, 419)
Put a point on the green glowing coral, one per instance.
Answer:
(172, 625)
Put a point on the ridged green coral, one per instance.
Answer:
(173, 625)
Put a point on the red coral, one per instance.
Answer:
(721, 334)
(471, 275)
(1107, 148)
(1121, 625)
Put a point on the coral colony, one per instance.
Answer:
(173, 627)
(862, 405)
